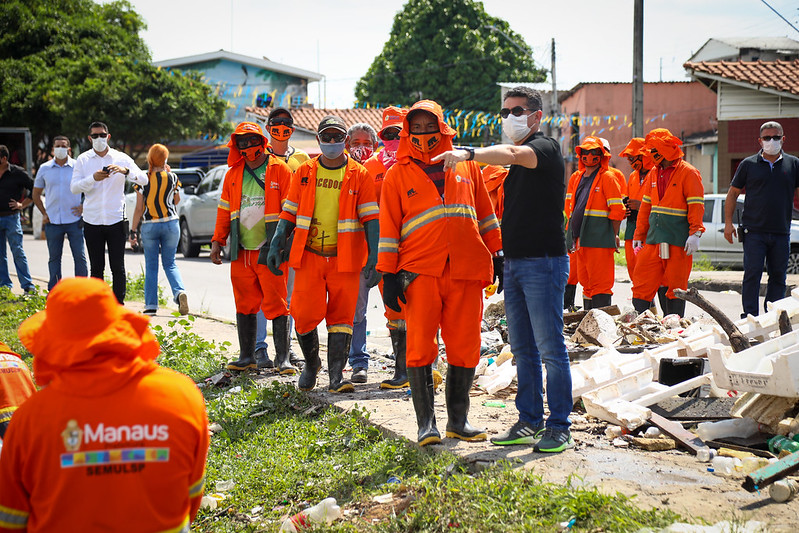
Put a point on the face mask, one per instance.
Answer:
(516, 128)
(280, 133)
(332, 150)
(657, 158)
(252, 153)
(391, 146)
(99, 144)
(60, 152)
(425, 142)
(589, 160)
(361, 153)
(772, 147)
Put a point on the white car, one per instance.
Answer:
(719, 251)
(197, 212)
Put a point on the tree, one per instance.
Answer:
(70, 62)
(450, 51)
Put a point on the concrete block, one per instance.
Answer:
(765, 409)
(654, 445)
(598, 328)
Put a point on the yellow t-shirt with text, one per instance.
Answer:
(323, 234)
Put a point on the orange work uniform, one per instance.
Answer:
(448, 242)
(670, 219)
(635, 191)
(254, 286)
(327, 287)
(494, 178)
(16, 385)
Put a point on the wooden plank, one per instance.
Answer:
(675, 430)
(771, 473)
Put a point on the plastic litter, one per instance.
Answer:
(704, 455)
(323, 512)
(734, 427)
(783, 490)
(726, 466)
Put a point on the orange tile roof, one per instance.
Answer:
(778, 75)
(309, 118)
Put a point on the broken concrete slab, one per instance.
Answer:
(597, 327)
(765, 409)
(654, 445)
(694, 408)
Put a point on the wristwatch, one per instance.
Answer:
(471, 152)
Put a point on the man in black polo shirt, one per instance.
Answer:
(770, 178)
(15, 195)
(535, 271)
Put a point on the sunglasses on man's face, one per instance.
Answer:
(516, 111)
(281, 122)
(772, 137)
(595, 151)
(391, 135)
(95, 135)
(332, 137)
(246, 142)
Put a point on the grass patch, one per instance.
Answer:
(185, 351)
(135, 289)
(13, 311)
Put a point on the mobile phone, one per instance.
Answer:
(106, 169)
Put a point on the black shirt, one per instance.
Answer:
(769, 192)
(14, 184)
(532, 220)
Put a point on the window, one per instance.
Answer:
(709, 205)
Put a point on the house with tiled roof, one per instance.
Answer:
(749, 93)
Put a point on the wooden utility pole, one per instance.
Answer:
(638, 69)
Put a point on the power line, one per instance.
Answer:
(788, 22)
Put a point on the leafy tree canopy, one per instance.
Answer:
(450, 51)
(70, 62)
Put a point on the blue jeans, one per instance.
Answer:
(534, 308)
(773, 249)
(55, 245)
(260, 329)
(160, 238)
(359, 358)
(11, 231)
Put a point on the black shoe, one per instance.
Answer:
(246, 327)
(459, 383)
(568, 296)
(281, 336)
(338, 350)
(359, 375)
(262, 359)
(554, 441)
(295, 359)
(520, 433)
(421, 379)
(601, 300)
(398, 343)
(309, 343)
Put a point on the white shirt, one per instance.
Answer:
(105, 200)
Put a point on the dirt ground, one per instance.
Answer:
(668, 479)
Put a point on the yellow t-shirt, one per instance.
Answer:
(293, 157)
(323, 234)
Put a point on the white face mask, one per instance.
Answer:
(100, 144)
(516, 128)
(772, 147)
(60, 152)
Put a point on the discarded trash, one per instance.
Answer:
(783, 490)
(494, 403)
(751, 464)
(323, 512)
(734, 427)
(224, 486)
(652, 433)
(500, 379)
(782, 444)
(704, 455)
(613, 432)
(394, 479)
(235, 389)
(726, 466)
(211, 501)
(620, 443)
(215, 427)
(491, 290)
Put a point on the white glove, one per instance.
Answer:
(692, 244)
(637, 246)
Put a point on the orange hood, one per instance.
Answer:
(243, 128)
(406, 151)
(665, 143)
(592, 143)
(637, 146)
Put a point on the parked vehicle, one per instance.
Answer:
(197, 212)
(719, 251)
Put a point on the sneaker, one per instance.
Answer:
(150, 312)
(183, 303)
(359, 375)
(555, 441)
(520, 433)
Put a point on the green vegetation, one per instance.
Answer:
(185, 351)
(135, 289)
(13, 311)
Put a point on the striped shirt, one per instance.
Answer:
(159, 194)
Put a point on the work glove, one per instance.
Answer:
(499, 272)
(370, 273)
(392, 292)
(692, 244)
(637, 246)
(275, 256)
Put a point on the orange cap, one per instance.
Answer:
(392, 117)
(83, 320)
(590, 143)
(665, 143)
(243, 128)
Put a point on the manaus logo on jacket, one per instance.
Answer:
(73, 435)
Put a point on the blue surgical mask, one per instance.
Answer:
(332, 150)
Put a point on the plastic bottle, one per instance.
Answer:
(704, 455)
(779, 443)
(323, 512)
(726, 466)
(733, 427)
(783, 490)
(752, 464)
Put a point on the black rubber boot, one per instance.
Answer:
(421, 380)
(601, 300)
(246, 326)
(663, 300)
(309, 343)
(640, 305)
(587, 304)
(262, 359)
(568, 297)
(459, 383)
(398, 343)
(281, 335)
(338, 351)
(677, 306)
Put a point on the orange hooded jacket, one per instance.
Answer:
(419, 232)
(494, 178)
(16, 384)
(114, 442)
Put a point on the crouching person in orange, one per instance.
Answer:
(16, 385)
(595, 211)
(670, 223)
(332, 210)
(114, 441)
(254, 188)
(438, 231)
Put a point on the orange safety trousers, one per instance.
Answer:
(573, 267)
(630, 256)
(394, 319)
(321, 292)
(454, 305)
(652, 272)
(255, 287)
(595, 270)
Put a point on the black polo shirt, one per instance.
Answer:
(769, 192)
(14, 184)
(532, 220)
